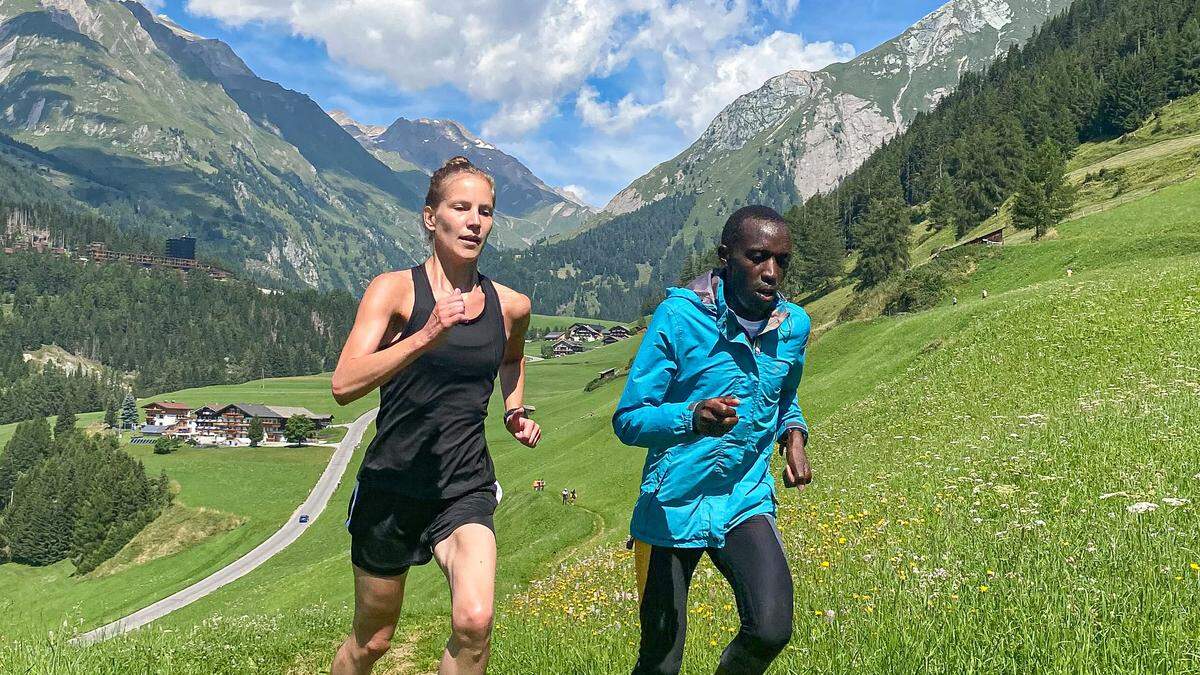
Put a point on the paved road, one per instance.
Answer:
(290, 531)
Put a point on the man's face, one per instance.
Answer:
(755, 266)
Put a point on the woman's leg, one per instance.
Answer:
(753, 562)
(468, 558)
(377, 601)
(664, 575)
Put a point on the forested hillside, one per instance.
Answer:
(171, 330)
(575, 276)
(71, 495)
(1098, 71)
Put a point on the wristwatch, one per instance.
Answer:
(508, 414)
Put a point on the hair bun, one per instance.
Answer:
(457, 162)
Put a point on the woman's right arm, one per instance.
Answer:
(363, 366)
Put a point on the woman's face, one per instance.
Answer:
(462, 221)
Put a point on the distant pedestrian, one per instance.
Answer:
(572, 495)
(985, 294)
(954, 301)
(565, 495)
(1070, 271)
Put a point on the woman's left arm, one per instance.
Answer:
(512, 369)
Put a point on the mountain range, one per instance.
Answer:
(527, 208)
(165, 130)
(796, 135)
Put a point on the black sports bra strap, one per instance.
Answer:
(423, 301)
(492, 305)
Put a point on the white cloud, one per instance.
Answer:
(153, 5)
(579, 192)
(527, 56)
(609, 117)
(696, 90)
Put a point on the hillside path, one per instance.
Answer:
(284, 536)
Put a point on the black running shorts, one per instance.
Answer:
(390, 532)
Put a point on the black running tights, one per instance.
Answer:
(752, 561)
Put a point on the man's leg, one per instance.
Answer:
(377, 603)
(468, 558)
(755, 566)
(664, 575)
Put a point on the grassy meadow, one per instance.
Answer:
(1008, 484)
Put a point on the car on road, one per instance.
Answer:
(304, 517)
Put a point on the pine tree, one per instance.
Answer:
(110, 415)
(1185, 71)
(945, 209)
(30, 444)
(129, 411)
(255, 432)
(883, 236)
(1045, 196)
(65, 423)
(819, 249)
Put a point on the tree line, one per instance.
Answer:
(65, 495)
(170, 330)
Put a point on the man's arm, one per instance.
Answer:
(642, 417)
(512, 369)
(792, 430)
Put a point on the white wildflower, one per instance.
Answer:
(1174, 501)
(1141, 507)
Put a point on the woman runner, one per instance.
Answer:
(433, 339)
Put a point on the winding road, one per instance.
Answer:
(284, 536)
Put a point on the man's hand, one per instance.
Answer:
(447, 313)
(715, 416)
(796, 471)
(525, 430)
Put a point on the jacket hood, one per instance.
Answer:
(705, 292)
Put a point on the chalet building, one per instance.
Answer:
(611, 340)
(555, 336)
(585, 332)
(168, 418)
(167, 413)
(230, 424)
(565, 347)
(619, 332)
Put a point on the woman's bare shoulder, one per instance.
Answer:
(390, 291)
(515, 304)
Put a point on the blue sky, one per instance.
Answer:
(589, 94)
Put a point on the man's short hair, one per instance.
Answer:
(731, 234)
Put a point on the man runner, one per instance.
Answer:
(710, 393)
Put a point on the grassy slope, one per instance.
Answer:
(962, 454)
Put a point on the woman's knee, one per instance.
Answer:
(472, 623)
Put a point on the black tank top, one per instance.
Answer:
(429, 440)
